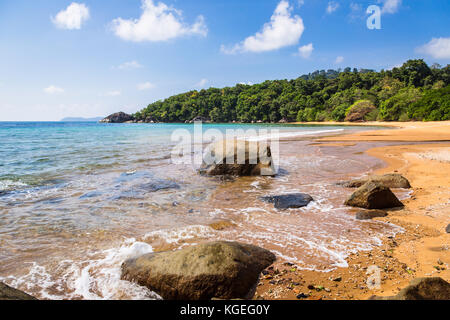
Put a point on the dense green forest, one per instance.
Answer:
(414, 91)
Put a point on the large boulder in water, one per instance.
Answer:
(422, 289)
(225, 270)
(391, 180)
(289, 201)
(8, 293)
(373, 195)
(238, 158)
(119, 117)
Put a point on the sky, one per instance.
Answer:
(89, 58)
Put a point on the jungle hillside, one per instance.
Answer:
(414, 91)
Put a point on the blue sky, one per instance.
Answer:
(91, 57)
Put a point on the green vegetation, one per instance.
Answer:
(413, 91)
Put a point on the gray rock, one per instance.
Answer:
(422, 289)
(367, 215)
(238, 158)
(8, 293)
(447, 229)
(119, 117)
(224, 270)
(288, 201)
(373, 195)
(392, 180)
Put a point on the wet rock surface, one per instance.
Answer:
(238, 158)
(289, 201)
(225, 270)
(392, 180)
(8, 293)
(373, 195)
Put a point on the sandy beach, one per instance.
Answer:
(422, 155)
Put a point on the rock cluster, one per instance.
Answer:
(119, 117)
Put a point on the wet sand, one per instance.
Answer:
(422, 250)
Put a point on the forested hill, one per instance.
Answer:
(414, 91)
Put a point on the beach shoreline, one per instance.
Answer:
(422, 155)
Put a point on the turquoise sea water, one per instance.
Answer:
(77, 199)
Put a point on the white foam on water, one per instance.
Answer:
(172, 236)
(281, 135)
(11, 185)
(93, 279)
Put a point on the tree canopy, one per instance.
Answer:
(413, 91)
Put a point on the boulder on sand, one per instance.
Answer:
(238, 158)
(422, 289)
(8, 293)
(447, 229)
(225, 270)
(367, 215)
(289, 201)
(391, 180)
(373, 195)
(119, 117)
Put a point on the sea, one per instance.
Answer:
(79, 198)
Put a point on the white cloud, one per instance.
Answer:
(202, 83)
(390, 6)
(301, 3)
(157, 23)
(339, 60)
(438, 48)
(282, 30)
(53, 90)
(130, 65)
(145, 86)
(332, 7)
(306, 50)
(72, 17)
(113, 93)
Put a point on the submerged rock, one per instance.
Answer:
(422, 289)
(225, 270)
(392, 180)
(373, 195)
(289, 201)
(238, 158)
(119, 117)
(8, 293)
(367, 215)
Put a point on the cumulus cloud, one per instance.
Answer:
(390, 6)
(306, 50)
(130, 65)
(53, 90)
(339, 60)
(202, 83)
(332, 7)
(438, 48)
(73, 17)
(158, 22)
(145, 86)
(282, 30)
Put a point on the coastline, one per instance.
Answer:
(422, 155)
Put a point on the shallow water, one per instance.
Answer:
(77, 199)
